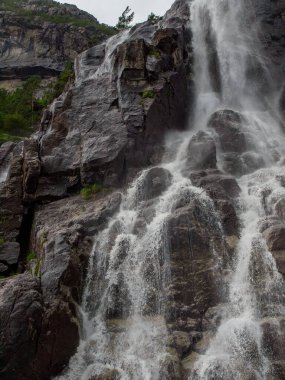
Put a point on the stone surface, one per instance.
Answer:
(275, 237)
(40, 38)
(21, 312)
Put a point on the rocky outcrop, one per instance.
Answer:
(37, 38)
(128, 93)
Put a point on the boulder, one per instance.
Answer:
(275, 237)
(21, 313)
(153, 183)
(201, 152)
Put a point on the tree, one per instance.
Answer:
(152, 18)
(125, 19)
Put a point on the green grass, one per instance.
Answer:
(31, 256)
(153, 52)
(89, 190)
(148, 94)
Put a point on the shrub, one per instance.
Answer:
(89, 190)
(31, 256)
(148, 94)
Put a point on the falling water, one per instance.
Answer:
(124, 329)
(231, 73)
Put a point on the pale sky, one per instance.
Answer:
(108, 11)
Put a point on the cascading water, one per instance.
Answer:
(124, 329)
(231, 73)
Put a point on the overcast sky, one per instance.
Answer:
(108, 11)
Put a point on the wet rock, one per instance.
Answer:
(107, 374)
(193, 238)
(42, 48)
(279, 257)
(280, 208)
(223, 189)
(273, 338)
(275, 237)
(9, 252)
(227, 125)
(21, 312)
(201, 152)
(181, 341)
(154, 183)
(31, 169)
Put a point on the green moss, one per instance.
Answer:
(31, 256)
(148, 94)
(154, 52)
(89, 190)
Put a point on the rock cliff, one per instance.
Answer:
(38, 37)
(130, 92)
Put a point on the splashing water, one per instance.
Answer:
(231, 75)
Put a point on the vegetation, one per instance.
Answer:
(148, 94)
(20, 110)
(153, 19)
(17, 6)
(154, 52)
(57, 88)
(31, 256)
(89, 190)
(2, 241)
(125, 19)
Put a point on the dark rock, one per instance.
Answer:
(9, 252)
(193, 239)
(201, 152)
(275, 237)
(21, 313)
(40, 44)
(227, 124)
(153, 184)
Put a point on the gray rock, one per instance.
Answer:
(9, 252)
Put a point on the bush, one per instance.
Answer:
(89, 190)
(31, 256)
(148, 94)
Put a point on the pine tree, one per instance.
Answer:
(125, 19)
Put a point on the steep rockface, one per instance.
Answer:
(107, 126)
(37, 37)
(128, 94)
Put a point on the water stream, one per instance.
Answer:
(125, 333)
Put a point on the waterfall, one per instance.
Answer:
(125, 306)
(231, 72)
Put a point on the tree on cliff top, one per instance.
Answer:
(125, 19)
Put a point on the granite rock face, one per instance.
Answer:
(37, 38)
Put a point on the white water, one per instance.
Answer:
(123, 308)
(256, 289)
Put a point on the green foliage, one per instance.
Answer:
(31, 256)
(154, 52)
(20, 110)
(89, 190)
(125, 19)
(17, 110)
(57, 88)
(153, 19)
(2, 241)
(148, 94)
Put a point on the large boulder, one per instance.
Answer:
(21, 314)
